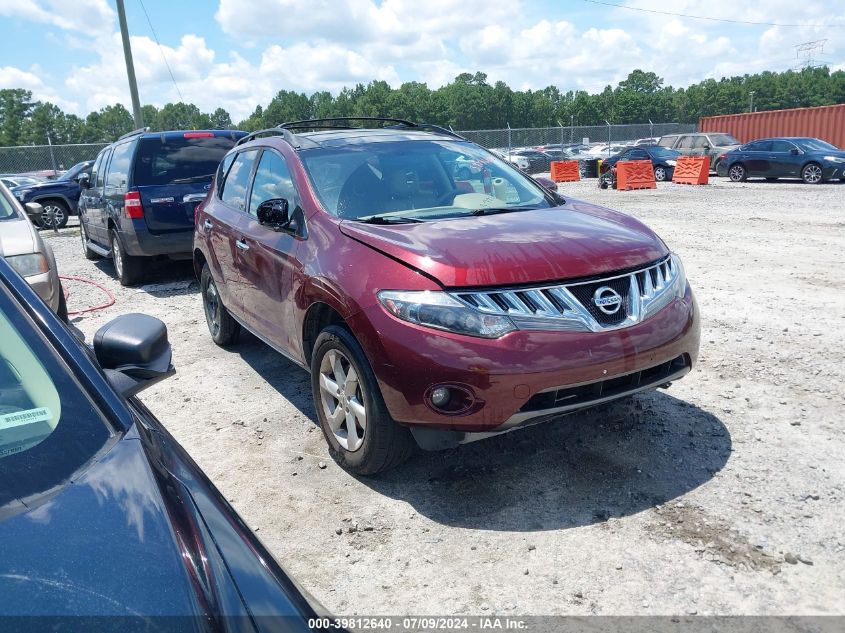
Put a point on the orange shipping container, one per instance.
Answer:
(824, 122)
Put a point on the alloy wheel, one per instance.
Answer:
(659, 174)
(52, 213)
(117, 257)
(342, 399)
(212, 308)
(736, 173)
(812, 174)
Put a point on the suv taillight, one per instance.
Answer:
(133, 206)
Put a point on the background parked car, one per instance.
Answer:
(118, 520)
(28, 254)
(538, 161)
(651, 140)
(140, 198)
(58, 197)
(662, 160)
(712, 144)
(18, 180)
(521, 162)
(810, 159)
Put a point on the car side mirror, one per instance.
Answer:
(34, 212)
(706, 147)
(84, 180)
(134, 352)
(794, 151)
(274, 214)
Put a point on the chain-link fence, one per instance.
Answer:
(509, 138)
(46, 158)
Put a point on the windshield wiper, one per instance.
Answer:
(387, 219)
(495, 210)
(193, 178)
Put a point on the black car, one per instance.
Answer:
(538, 162)
(810, 159)
(59, 197)
(102, 514)
(140, 198)
(663, 160)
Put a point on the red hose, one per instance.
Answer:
(110, 301)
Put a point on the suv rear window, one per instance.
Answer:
(163, 160)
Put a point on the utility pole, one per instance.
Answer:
(130, 67)
(751, 106)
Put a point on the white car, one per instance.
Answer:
(520, 162)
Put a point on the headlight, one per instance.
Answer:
(834, 159)
(438, 310)
(29, 265)
(21, 193)
(671, 163)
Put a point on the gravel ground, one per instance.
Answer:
(722, 495)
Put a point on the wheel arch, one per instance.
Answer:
(318, 316)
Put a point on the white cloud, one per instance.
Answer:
(90, 16)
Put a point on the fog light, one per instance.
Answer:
(440, 397)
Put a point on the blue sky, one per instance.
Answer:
(238, 54)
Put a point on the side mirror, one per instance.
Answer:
(273, 214)
(794, 151)
(84, 180)
(134, 352)
(34, 212)
(706, 147)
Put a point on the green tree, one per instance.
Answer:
(16, 105)
(107, 124)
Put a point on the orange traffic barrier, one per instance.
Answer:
(691, 170)
(635, 174)
(565, 171)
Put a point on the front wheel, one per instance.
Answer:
(362, 437)
(812, 174)
(660, 173)
(737, 173)
(55, 215)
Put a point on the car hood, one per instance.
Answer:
(576, 239)
(831, 152)
(103, 545)
(48, 185)
(17, 237)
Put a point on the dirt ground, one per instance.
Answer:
(723, 495)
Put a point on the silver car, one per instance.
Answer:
(23, 248)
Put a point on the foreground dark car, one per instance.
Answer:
(59, 197)
(663, 160)
(810, 159)
(102, 513)
(426, 307)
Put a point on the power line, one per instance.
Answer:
(161, 50)
(709, 19)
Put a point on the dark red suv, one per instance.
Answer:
(428, 307)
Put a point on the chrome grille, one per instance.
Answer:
(571, 306)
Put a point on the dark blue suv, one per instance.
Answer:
(140, 198)
(59, 197)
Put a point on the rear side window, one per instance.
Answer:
(667, 141)
(164, 160)
(701, 142)
(237, 180)
(272, 180)
(119, 166)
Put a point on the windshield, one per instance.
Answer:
(720, 140)
(417, 180)
(48, 428)
(163, 160)
(816, 145)
(74, 171)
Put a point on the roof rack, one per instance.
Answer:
(339, 123)
(140, 130)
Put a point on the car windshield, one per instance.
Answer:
(74, 171)
(48, 428)
(7, 208)
(165, 159)
(418, 180)
(721, 140)
(816, 145)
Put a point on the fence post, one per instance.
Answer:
(608, 136)
(509, 137)
(52, 155)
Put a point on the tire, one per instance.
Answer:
(62, 311)
(60, 212)
(660, 173)
(379, 443)
(129, 270)
(737, 173)
(224, 330)
(812, 174)
(83, 234)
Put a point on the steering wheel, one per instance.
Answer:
(448, 196)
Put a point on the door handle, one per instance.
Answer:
(242, 245)
(207, 225)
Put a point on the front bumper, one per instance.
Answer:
(505, 374)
